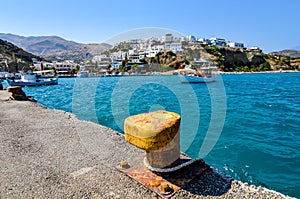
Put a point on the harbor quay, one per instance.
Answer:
(46, 153)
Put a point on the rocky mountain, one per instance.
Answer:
(13, 58)
(54, 47)
(288, 53)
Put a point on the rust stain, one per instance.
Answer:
(157, 182)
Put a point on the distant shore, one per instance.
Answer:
(260, 72)
(172, 72)
(50, 153)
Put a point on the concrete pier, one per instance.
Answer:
(48, 153)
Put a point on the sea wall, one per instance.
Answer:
(48, 153)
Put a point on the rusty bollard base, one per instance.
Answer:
(165, 184)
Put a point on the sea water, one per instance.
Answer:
(246, 125)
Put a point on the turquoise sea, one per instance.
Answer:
(246, 125)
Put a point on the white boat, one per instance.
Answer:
(28, 78)
(83, 74)
(201, 75)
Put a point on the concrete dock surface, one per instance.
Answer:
(47, 153)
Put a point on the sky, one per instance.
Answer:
(272, 25)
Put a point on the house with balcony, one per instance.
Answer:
(64, 66)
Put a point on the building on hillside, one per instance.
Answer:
(217, 41)
(167, 46)
(142, 55)
(191, 38)
(204, 41)
(176, 47)
(134, 58)
(124, 55)
(151, 52)
(101, 58)
(144, 44)
(168, 38)
(235, 45)
(42, 65)
(255, 49)
(134, 43)
(116, 55)
(115, 64)
(64, 66)
(132, 52)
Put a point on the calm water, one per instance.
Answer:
(259, 141)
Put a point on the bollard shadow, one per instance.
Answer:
(210, 183)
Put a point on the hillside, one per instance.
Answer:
(288, 53)
(230, 59)
(13, 58)
(54, 47)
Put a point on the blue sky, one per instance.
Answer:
(271, 24)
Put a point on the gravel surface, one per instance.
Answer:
(48, 153)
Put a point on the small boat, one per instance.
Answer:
(83, 74)
(29, 78)
(201, 75)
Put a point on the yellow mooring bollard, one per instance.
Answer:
(158, 133)
(165, 169)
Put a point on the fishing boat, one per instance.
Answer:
(29, 78)
(200, 75)
(83, 74)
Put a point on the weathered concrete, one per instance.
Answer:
(51, 154)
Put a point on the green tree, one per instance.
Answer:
(134, 67)
(264, 66)
(77, 68)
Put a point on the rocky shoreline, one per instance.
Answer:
(48, 153)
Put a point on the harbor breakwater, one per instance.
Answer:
(50, 153)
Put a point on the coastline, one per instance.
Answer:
(51, 153)
(239, 73)
(261, 72)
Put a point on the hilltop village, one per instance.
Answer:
(145, 56)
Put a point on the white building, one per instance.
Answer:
(168, 38)
(204, 41)
(235, 45)
(64, 66)
(255, 48)
(41, 65)
(134, 43)
(132, 52)
(116, 64)
(142, 55)
(217, 41)
(116, 55)
(101, 58)
(151, 52)
(176, 47)
(191, 38)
